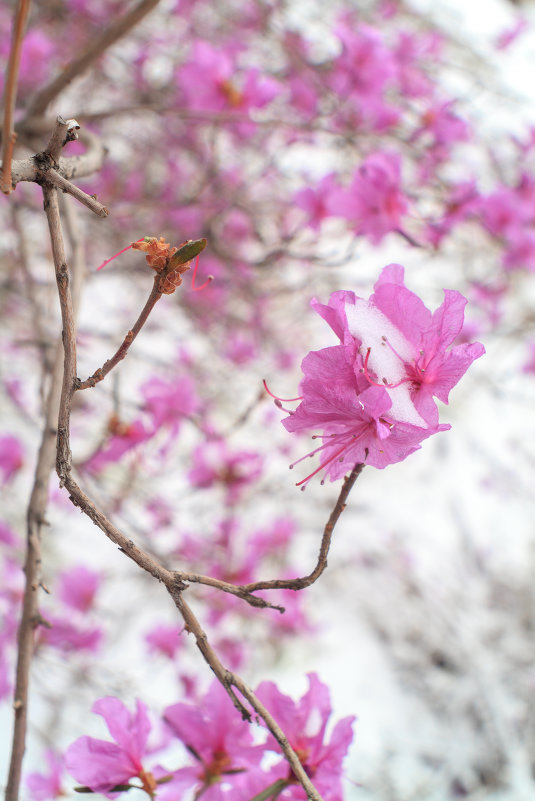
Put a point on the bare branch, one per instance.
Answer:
(306, 581)
(32, 567)
(121, 352)
(66, 186)
(10, 94)
(278, 734)
(64, 131)
(97, 47)
(173, 582)
(31, 617)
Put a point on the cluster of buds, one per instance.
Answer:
(169, 261)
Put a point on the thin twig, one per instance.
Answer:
(175, 586)
(306, 581)
(229, 679)
(66, 186)
(10, 94)
(122, 350)
(277, 732)
(31, 617)
(98, 46)
(32, 566)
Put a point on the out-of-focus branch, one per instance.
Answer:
(35, 520)
(10, 94)
(98, 46)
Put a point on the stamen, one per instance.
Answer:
(104, 263)
(208, 280)
(328, 461)
(284, 400)
(366, 373)
(320, 447)
(385, 382)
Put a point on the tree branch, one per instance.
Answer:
(174, 584)
(35, 520)
(97, 47)
(306, 581)
(10, 94)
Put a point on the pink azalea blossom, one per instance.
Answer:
(305, 723)
(374, 202)
(215, 464)
(100, 764)
(78, 587)
(68, 635)
(510, 35)
(164, 640)
(11, 457)
(44, 786)
(221, 743)
(372, 395)
(209, 82)
(7, 536)
(168, 402)
(128, 437)
(314, 200)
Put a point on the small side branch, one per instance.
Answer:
(66, 186)
(10, 94)
(306, 581)
(123, 349)
(232, 589)
(97, 47)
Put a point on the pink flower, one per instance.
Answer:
(7, 535)
(374, 202)
(305, 723)
(208, 82)
(315, 200)
(169, 402)
(78, 587)
(101, 765)
(68, 636)
(11, 457)
(126, 437)
(372, 395)
(214, 463)
(164, 640)
(507, 37)
(221, 743)
(43, 786)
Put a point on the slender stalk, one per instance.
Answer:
(10, 94)
(98, 46)
(123, 349)
(35, 521)
(66, 186)
(174, 585)
(306, 581)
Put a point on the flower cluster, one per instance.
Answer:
(373, 395)
(225, 761)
